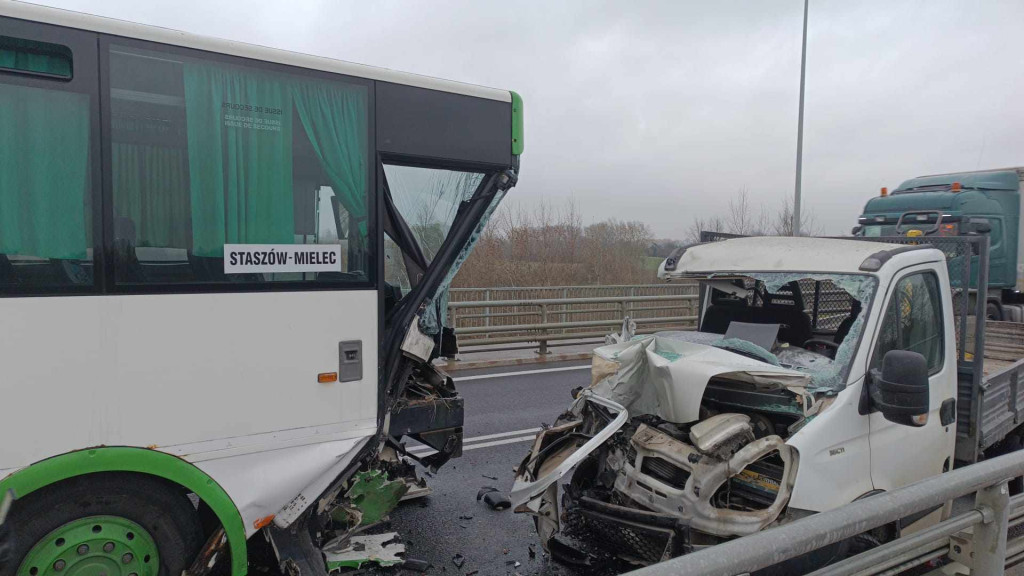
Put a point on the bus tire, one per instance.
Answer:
(114, 524)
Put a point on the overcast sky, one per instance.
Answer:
(660, 111)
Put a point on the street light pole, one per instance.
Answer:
(800, 130)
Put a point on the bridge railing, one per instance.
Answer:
(976, 538)
(485, 318)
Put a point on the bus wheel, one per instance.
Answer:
(112, 525)
(993, 312)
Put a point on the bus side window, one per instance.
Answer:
(46, 180)
(207, 154)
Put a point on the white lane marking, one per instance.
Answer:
(500, 442)
(521, 373)
(465, 441)
(480, 445)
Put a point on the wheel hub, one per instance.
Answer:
(94, 546)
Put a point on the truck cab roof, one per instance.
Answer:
(1007, 179)
(789, 254)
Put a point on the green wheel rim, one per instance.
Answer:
(94, 546)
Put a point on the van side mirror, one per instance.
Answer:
(900, 389)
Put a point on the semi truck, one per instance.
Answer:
(821, 371)
(985, 201)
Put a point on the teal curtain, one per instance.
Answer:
(240, 158)
(44, 172)
(335, 119)
(151, 189)
(31, 56)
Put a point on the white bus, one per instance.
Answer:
(223, 273)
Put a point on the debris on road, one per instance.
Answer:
(373, 497)
(489, 477)
(416, 565)
(494, 498)
(532, 551)
(381, 549)
(458, 560)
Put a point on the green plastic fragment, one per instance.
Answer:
(375, 496)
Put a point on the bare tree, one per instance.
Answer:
(782, 224)
(743, 218)
(714, 224)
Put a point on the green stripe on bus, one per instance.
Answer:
(144, 461)
(517, 124)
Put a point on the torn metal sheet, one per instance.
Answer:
(381, 549)
(667, 377)
(536, 475)
(698, 501)
(416, 343)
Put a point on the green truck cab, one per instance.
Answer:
(986, 201)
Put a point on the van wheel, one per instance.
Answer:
(994, 312)
(104, 525)
(1011, 443)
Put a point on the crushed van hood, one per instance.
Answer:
(667, 377)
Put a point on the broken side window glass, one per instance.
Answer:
(429, 199)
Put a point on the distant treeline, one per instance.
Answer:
(548, 246)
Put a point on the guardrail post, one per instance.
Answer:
(543, 340)
(487, 310)
(989, 544)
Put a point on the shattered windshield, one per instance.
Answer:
(429, 199)
(422, 204)
(810, 323)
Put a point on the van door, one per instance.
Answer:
(913, 319)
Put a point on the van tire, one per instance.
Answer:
(993, 311)
(141, 514)
(1012, 443)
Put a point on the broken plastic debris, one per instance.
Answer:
(494, 498)
(416, 565)
(458, 560)
(383, 549)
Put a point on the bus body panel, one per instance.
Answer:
(168, 370)
(262, 483)
(115, 27)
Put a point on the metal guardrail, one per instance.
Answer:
(976, 538)
(563, 315)
(544, 320)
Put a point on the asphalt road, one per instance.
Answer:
(503, 412)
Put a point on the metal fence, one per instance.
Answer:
(562, 315)
(976, 538)
(549, 316)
